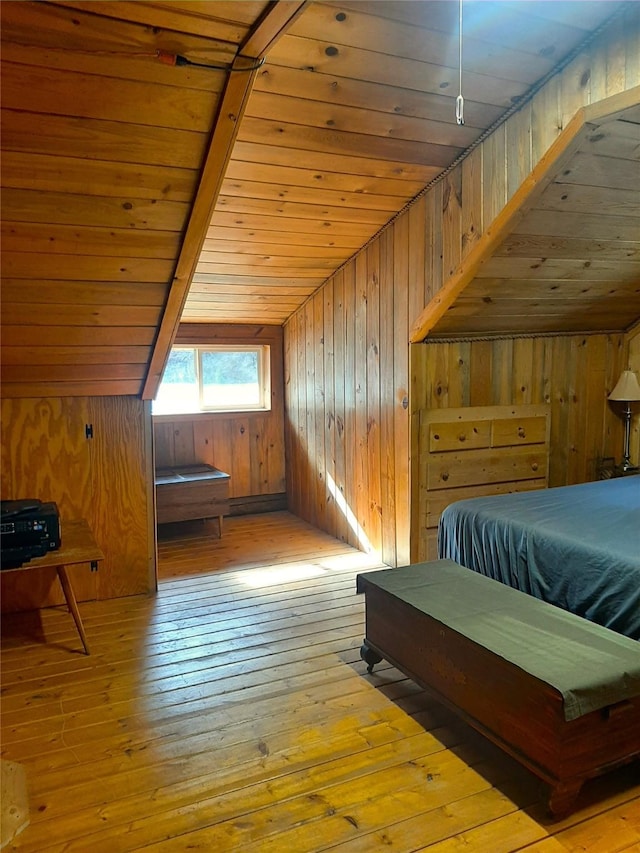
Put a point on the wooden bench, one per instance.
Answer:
(191, 492)
(559, 693)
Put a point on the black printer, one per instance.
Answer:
(28, 528)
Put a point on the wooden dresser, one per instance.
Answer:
(188, 492)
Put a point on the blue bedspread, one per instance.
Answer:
(577, 547)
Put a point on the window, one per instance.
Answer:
(215, 379)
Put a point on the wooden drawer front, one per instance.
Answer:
(190, 500)
(474, 451)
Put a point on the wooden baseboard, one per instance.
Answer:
(250, 504)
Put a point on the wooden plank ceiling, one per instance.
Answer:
(112, 155)
(118, 167)
(351, 116)
(564, 254)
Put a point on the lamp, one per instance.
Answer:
(627, 390)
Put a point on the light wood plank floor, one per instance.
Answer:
(231, 712)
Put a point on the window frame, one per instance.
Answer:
(264, 381)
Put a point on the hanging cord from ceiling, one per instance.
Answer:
(460, 99)
(517, 105)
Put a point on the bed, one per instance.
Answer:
(577, 547)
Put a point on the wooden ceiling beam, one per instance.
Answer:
(270, 27)
(278, 16)
(498, 231)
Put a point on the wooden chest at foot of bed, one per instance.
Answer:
(560, 694)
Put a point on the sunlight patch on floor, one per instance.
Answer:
(289, 572)
(282, 574)
(346, 562)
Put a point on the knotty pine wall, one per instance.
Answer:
(105, 479)
(346, 387)
(347, 373)
(248, 446)
(572, 374)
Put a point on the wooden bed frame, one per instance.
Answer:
(518, 711)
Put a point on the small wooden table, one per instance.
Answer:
(188, 492)
(78, 546)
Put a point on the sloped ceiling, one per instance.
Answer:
(351, 116)
(564, 254)
(136, 134)
(117, 123)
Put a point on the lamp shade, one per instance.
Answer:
(627, 387)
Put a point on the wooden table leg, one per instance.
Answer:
(72, 605)
(220, 527)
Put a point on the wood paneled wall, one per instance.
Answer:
(347, 372)
(573, 375)
(247, 445)
(105, 479)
